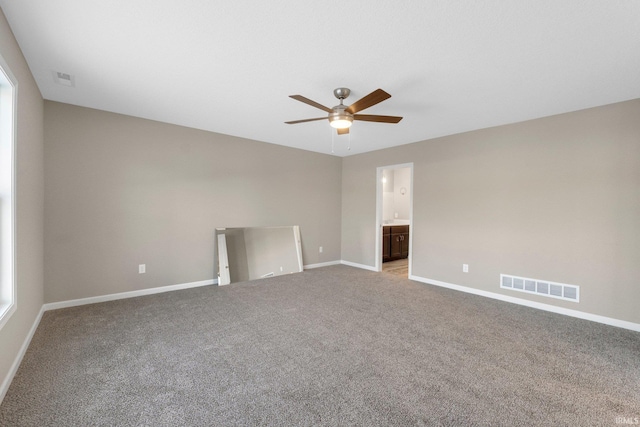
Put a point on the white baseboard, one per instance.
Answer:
(356, 265)
(541, 306)
(123, 295)
(322, 264)
(343, 262)
(16, 363)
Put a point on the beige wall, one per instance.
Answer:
(29, 204)
(122, 191)
(555, 199)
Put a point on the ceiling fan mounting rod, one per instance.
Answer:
(339, 117)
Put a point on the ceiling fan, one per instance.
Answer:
(341, 117)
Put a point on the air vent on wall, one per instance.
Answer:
(541, 287)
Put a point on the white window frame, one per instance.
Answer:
(8, 108)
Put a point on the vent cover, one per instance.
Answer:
(64, 79)
(540, 287)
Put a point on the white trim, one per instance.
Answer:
(6, 311)
(541, 306)
(356, 265)
(321, 264)
(123, 295)
(18, 360)
(8, 271)
(379, 213)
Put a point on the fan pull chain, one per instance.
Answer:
(333, 141)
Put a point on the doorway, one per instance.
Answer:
(394, 218)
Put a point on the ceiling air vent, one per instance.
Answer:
(64, 79)
(540, 287)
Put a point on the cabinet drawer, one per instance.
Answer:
(397, 229)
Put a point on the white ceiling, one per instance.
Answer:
(229, 66)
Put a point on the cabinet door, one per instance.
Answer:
(396, 245)
(386, 244)
(405, 245)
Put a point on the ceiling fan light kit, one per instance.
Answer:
(341, 117)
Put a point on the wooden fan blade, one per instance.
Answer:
(343, 131)
(374, 118)
(310, 102)
(305, 120)
(372, 99)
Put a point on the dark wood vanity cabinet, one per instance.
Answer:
(395, 242)
(386, 244)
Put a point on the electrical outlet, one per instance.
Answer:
(465, 268)
(142, 268)
(320, 249)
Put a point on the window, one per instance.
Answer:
(8, 89)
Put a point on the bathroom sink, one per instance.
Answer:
(396, 222)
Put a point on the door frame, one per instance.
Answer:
(379, 219)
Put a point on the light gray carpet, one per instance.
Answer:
(330, 346)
